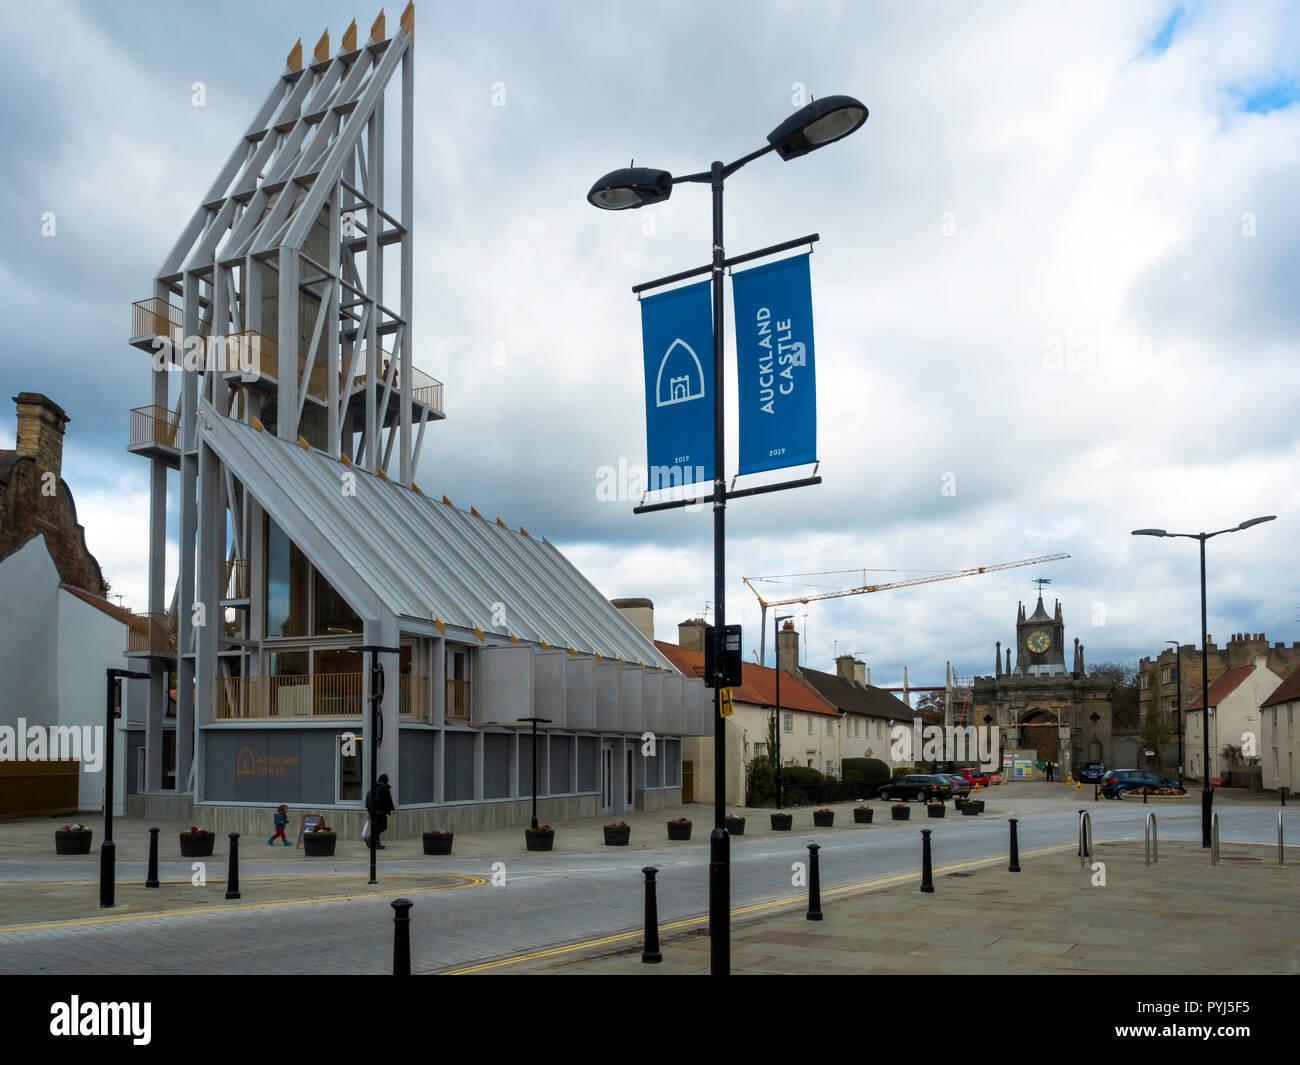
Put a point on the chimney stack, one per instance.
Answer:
(859, 672)
(844, 668)
(787, 648)
(41, 424)
(641, 612)
(690, 634)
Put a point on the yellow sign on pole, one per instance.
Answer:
(725, 709)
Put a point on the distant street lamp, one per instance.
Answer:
(776, 642)
(813, 126)
(1178, 678)
(1207, 792)
(107, 848)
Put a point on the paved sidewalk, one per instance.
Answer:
(1178, 916)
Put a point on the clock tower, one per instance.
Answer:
(1040, 642)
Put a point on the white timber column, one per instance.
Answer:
(188, 539)
(211, 587)
(286, 422)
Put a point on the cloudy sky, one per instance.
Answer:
(1057, 276)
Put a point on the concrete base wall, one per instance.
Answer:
(659, 800)
(163, 808)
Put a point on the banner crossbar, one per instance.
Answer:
(758, 490)
(787, 245)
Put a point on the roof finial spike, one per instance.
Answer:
(407, 21)
(377, 31)
(294, 59)
(321, 52)
(350, 37)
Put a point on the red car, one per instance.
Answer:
(975, 775)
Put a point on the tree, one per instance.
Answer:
(1125, 694)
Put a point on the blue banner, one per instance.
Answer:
(774, 359)
(677, 337)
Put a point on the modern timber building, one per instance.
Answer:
(286, 398)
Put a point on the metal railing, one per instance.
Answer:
(412, 696)
(1214, 838)
(236, 578)
(1085, 838)
(1150, 840)
(155, 317)
(153, 633)
(457, 708)
(154, 425)
(308, 695)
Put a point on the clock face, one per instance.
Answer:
(1038, 641)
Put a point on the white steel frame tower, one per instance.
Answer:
(271, 306)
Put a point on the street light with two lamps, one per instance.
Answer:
(819, 123)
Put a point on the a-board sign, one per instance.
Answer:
(309, 821)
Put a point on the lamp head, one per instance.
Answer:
(633, 186)
(816, 125)
(1256, 521)
(1149, 532)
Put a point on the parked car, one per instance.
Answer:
(1092, 772)
(975, 775)
(1117, 781)
(923, 786)
(960, 785)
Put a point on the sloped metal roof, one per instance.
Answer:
(425, 559)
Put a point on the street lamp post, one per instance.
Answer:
(1207, 792)
(1178, 673)
(535, 721)
(776, 642)
(814, 126)
(107, 848)
(374, 735)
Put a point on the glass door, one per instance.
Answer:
(607, 779)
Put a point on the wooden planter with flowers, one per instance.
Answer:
(900, 812)
(72, 839)
(539, 839)
(862, 815)
(735, 825)
(823, 818)
(437, 841)
(935, 809)
(618, 834)
(782, 822)
(197, 843)
(679, 829)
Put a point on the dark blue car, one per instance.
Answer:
(1117, 781)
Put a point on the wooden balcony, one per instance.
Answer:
(151, 634)
(458, 703)
(159, 317)
(309, 696)
(155, 433)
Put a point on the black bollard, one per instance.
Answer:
(401, 936)
(151, 878)
(232, 872)
(719, 894)
(1144, 796)
(107, 867)
(1096, 793)
(1283, 793)
(814, 884)
(1014, 867)
(927, 874)
(650, 951)
(1083, 839)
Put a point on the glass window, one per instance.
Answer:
(810, 727)
(350, 763)
(830, 728)
(333, 615)
(789, 722)
(287, 575)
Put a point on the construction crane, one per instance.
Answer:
(862, 589)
